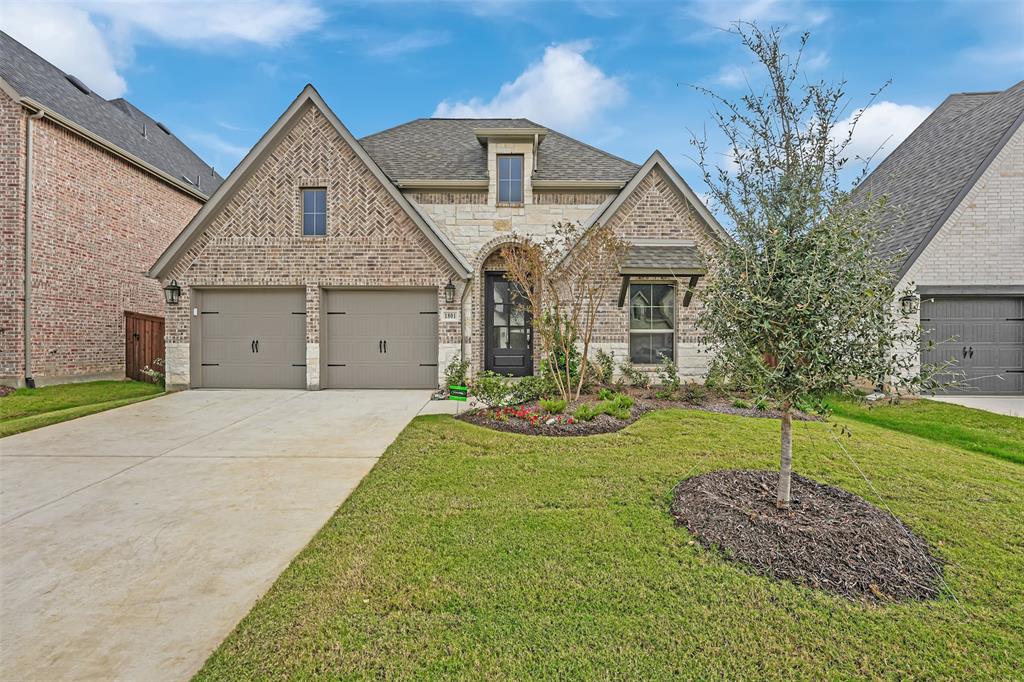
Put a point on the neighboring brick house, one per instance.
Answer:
(955, 191)
(102, 189)
(329, 262)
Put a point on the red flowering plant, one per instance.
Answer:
(533, 415)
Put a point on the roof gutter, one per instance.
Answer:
(440, 184)
(40, 109)
(27, 283)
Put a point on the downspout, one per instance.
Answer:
(27, 308)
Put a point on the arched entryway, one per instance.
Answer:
(505, 325)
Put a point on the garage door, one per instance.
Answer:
(983, 336)
(380, 338)
(252, 338)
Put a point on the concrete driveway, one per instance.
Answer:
(1000, 404)
(133, 541)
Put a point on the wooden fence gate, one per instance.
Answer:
(143, 344)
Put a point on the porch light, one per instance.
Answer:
(172, 292)
(449, 292)
(909, 304)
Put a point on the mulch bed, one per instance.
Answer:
(602, 423)
(723, 405)
(829, 539)
(6, 390)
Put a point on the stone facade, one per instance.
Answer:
(654, 211)
(255, 239)
(99, 222)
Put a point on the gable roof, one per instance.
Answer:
(448, 149)
(308, 97)
(656, 160)
(927, 176)
(40, 84)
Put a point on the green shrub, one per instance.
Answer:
(587, 412)
(604, 367)
(606, 394)
(492, 388)
(741, 404)
(554, 405)
(455, 372)
(668, 378)
(761, 403)
(634, 376)
(531, 387)
(694, 393)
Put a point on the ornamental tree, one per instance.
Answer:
(801, 304)
(564, 279)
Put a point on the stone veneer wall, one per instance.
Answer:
(99, 223)
(256, 240)
(655, 210)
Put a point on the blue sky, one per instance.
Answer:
(618, 75)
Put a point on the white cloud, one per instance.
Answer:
(406, 44)
(65, 36)
(722, 14)
(197, 22)
(563, 90)
(731, 76)
(94, 39)
(882, 126)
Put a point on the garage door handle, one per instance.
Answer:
(257, 345)
(970, 352)
(965, 351)
(380, 345)
(385, 346)
(252, 345)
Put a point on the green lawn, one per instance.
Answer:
(977, 430)
(31, 408)
(468, 553)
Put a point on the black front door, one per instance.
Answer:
(508, 328)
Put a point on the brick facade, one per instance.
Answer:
(982, 242)
(99, 222)
(255, 239)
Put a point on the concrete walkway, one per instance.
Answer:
(132, 541)
(1000, 404)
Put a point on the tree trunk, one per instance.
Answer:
(786, 461)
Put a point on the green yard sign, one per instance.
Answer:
(459, 393)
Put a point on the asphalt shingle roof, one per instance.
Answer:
(447, 149)
(662, 258)
(923, 175)
(117, 121)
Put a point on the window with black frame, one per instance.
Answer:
(510, 179)
(651, 323)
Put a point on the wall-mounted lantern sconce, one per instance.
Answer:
(172, 292)
(910, 304)
(449, 292)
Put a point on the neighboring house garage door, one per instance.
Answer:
(984, 336)
(252, 338)
(380, 338)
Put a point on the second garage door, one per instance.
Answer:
(380, 338)
(252, 338)
(983, 338)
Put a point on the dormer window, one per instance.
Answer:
(510, 179)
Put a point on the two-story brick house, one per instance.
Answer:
(324, 261)
(91, 192)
